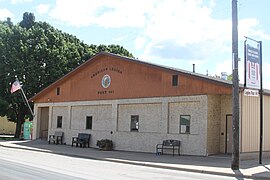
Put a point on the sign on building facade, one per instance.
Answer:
(250, 92)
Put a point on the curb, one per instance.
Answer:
(237, 174)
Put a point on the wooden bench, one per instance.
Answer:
(83, 139)
(56, 138)
(170, 144)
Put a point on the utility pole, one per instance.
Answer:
(235, 96)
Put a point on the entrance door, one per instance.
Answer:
(229, 134)
(44, 122)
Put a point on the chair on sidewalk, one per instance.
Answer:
(56, 138)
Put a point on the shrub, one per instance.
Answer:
(105, 144)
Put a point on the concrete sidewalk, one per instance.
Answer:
(219, 164)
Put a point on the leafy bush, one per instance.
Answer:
(105, 144)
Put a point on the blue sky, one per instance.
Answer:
(174, 33)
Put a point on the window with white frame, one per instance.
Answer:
(185, 124)
(134, 125)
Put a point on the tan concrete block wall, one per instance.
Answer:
(154, 115)
(195, 142)
(102, 117)
(213, 124)
(60, 111)
(226, 109)
(191, 108)
(149, 117)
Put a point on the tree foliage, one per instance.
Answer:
(28, 20)
(38, 54)
(230, 77)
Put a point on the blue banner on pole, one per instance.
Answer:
(252, 67)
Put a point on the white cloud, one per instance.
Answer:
(169, 32)
(246, 27)
(79, 13)
(186, 30)
(107, 13)
(43, 8)
(140, 42)
(20, 1)
(212, 3)
(119, 38)
(266, 75)
(4, 13)
(179, 21)
(184, 22)
(225, 66)
(261, 35)
(251, 27)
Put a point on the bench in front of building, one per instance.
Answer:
(83, 139)
(56, 138)
(169, 144)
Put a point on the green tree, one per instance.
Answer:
(230, 77)
(38, 54)
(28, 20)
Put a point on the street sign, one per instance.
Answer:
(250, 92)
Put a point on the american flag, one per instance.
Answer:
(15, 86)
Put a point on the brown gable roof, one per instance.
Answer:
(164, 68)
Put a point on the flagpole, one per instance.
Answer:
(25, 99)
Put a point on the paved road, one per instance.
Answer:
(21, 164)
(12, 170)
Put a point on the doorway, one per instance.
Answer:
(44, 122)
(229, 134)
